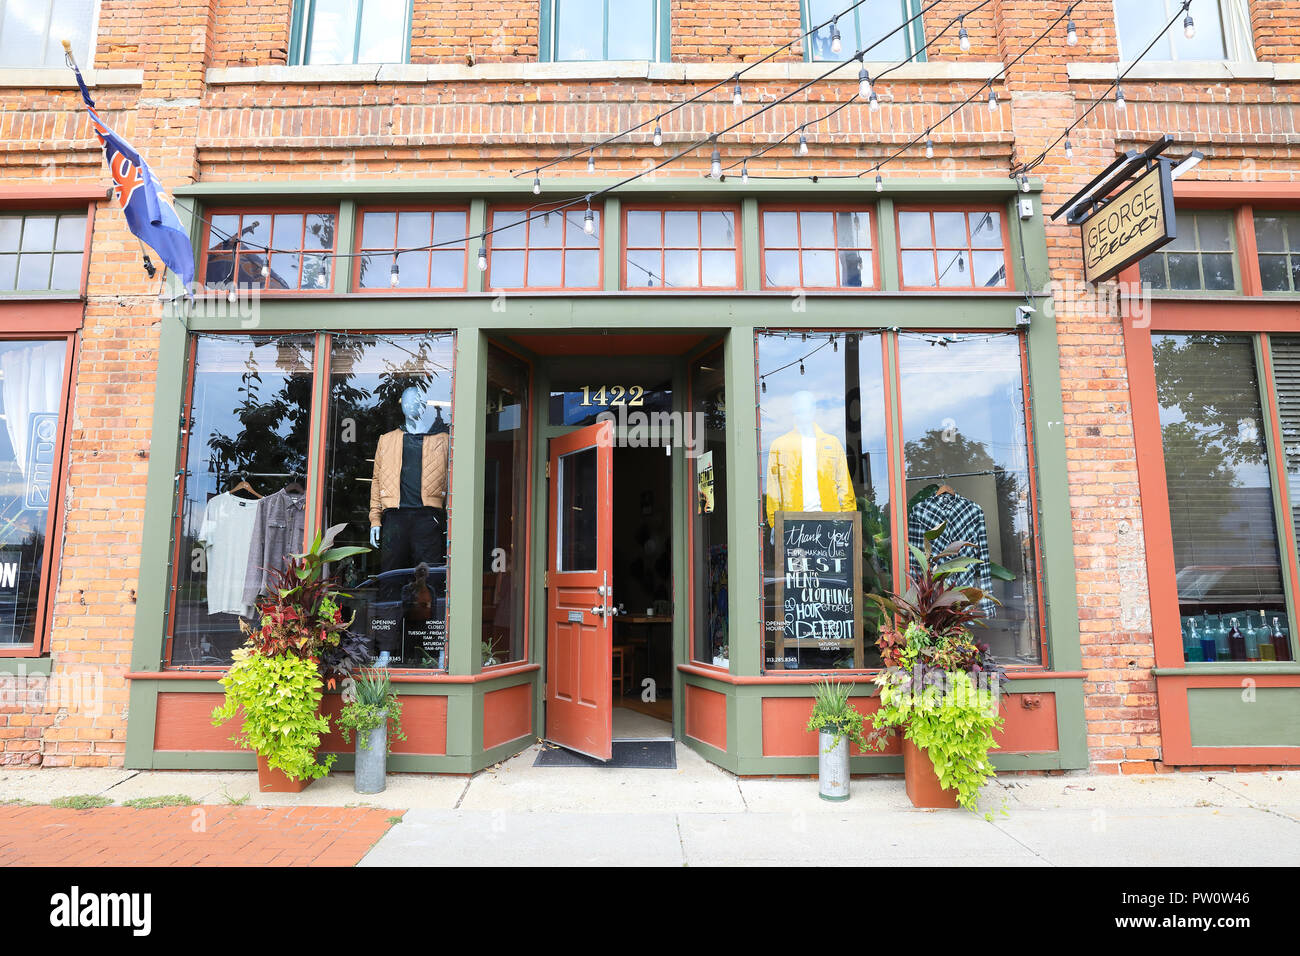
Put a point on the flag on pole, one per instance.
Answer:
(149, 214)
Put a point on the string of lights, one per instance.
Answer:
(1022, 170)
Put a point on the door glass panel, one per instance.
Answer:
(576, 522)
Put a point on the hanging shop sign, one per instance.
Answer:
(819, 587)
(43, 430)
(1126, 213)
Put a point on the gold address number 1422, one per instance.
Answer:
(632, 396)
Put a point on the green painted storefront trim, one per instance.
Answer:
(1256, 669)
(1220, 717)
(33, 666)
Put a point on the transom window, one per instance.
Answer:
(1277, 237)
(1199, 260)
(604, 30)
(32, 31)
(41, 252)
(681, 249)
(1222, 30)
(544, 252)
(861, 27)
(270, 250)
(351, 31)
(434, 238)
(813, 248)
(952, 249)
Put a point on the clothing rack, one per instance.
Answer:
(958, 474)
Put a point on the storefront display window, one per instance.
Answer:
(680, 249)
(1199, 260)
(967, 462)
(275, 251)
(243, 500)
(41, 252)
(952, 249)
(554, 251)
(1221, 498)
(437, 262)
(388, 461)
(1277, 237)
(710, 585)
(817, 248)
(505, 509)
(31, 402)
(826, 521)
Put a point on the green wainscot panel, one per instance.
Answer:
(1220, 717)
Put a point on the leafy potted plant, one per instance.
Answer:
(372, 707)
(939, 686)
(300, 645)
(837, 723)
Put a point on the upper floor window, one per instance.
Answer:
(952, 249)
(32, 31)
(552, 251)
(276, 251)
(41, 252)
(350, 31)
(604, 30)
(1277, 236)
(681, 249)
(817, 248)
(863, 26)
(1221, 30)
(434, 240)
(1199, 260)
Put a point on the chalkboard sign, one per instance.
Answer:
(819, 583)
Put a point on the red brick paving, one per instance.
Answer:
(189, 836)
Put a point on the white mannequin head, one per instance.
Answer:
(803, 409)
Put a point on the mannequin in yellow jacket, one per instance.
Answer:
(789, 456)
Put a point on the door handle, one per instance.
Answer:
(598, 610)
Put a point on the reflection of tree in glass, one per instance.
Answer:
(273, 429)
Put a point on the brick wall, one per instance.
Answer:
(246, 132)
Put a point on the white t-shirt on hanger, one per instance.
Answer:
(226, 534)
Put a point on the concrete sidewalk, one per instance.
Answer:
(700, 815)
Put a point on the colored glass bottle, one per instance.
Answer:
(1195, 648)
(1252, 638)
(1236, 642)
(1281, 646)
(1223, 650)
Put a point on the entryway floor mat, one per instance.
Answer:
(628, 755)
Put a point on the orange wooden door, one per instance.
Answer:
(580, 582)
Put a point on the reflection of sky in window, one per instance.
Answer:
(824, 378)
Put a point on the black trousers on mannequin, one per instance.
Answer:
(408, 536)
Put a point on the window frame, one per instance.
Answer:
(359, 250)
(51, 330)
(913, 36)
(53, 209)
(698, 208)
(1239, 280)
(301, 24)
(968, 210)
(528, 248)
(88, 61)
(331, 254)
(1236, 49)
(1293, 251)
(548, 23)
(873, 232)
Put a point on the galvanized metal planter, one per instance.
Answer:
(372, 759)
(832, 767)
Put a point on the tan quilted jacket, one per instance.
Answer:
(386, 488)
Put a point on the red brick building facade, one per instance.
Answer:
(207, 92)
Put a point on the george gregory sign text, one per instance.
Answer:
(1136, 221)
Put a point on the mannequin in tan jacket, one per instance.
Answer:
(386, 484)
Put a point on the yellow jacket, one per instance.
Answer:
(785, 475)
(386, 488)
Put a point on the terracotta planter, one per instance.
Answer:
(922, 782)
(272, 780)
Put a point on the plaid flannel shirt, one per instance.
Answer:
(963, 520)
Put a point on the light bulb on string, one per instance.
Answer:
(1069, 149)
(835, 346)
(880, 183)
(763, 383)
(394, 275)
(803, 145)
(1120, 103)
(864, 83)
(737, 96)
(659, 135)
(1071, 34)
(1189, 26)
(320, 280)
(1024, 183)
(929, 148)
(715, 165)
(591, 164)
(993, 100)
(589, 220)
(482, 252)
(963, 38)
(266, 270)
(744, 173)
(232, 296)
(537, 185)
(874, 102)
(836, 44)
